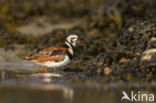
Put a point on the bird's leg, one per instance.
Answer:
(46, 69)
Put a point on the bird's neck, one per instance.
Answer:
(70, 49)
(69, 45)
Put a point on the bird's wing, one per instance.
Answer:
(49, 54)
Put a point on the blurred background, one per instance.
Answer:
(117, 49)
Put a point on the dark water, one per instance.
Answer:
(42, 88)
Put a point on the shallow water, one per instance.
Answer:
(48, 88)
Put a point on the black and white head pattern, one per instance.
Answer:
(72, 39)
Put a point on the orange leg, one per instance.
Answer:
(46, 69)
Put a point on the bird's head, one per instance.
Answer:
(72, 39)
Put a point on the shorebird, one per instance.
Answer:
(54, 57)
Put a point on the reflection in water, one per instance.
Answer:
(48, 75)
(43, 88)
(37, 94)
(52, 93)
(68, 93)
(32, 84)
(47, 78)
(3, 75)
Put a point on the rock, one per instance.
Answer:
(148, 54)
(148, 58)
(107, 70)
(152, 42)
(123, 60)
(130, 29)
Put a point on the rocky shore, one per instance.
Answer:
(117, 38)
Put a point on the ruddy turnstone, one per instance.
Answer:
(55, 56)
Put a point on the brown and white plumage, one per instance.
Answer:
(56, 56)
(49, 54)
